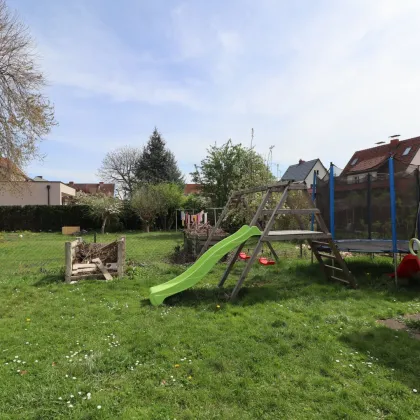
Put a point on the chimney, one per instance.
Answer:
(39, 176)
(101, 183)
(394, 142)
(301, 161)
(71, 183)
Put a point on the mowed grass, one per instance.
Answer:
(292, 346)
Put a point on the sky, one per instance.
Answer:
(314, 78)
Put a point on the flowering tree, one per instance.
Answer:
(146, 203)
(101, 206)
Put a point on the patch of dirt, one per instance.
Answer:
(399, 325)
(414, 317)
(394, 324)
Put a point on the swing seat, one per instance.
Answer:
(244, 256)
(266, 261)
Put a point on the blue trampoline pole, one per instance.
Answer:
(313, 199)
(332, 222)
(393, 214)
(393, 207)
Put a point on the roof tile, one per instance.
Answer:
(300, 171)
(370, 159)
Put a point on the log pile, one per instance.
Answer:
(84, 260)
(203, 230)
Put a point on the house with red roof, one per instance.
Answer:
(192, 189)
(406, 155)
(94, 188)
(10, 172)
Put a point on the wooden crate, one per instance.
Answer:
(193, 242)
(69, 230)
(95, 268)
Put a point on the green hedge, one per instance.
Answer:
(53, 218)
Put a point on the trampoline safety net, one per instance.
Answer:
(362, 205)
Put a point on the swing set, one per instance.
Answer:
(262, 260)
(272, 203)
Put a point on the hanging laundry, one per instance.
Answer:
(182, 215)
(205, 218)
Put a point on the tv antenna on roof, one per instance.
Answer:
(394, 136)
(270, 159)
(380, 142)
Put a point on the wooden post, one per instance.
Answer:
(176, 220)
(69, 261)
(253, 223)
(121, 257)
(259, 226)
(263, 236)
(215, 227)
(215, 217)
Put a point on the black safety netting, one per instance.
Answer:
(362, 205)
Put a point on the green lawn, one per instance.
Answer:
(291, 347)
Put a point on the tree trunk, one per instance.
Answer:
(103, 224)
(147, 227)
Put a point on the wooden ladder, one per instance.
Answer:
(331, 261)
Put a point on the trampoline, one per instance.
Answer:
(371, 246)
(371, 213)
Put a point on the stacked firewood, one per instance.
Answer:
(203, 229)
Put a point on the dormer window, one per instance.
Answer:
(354, 161)
(406, 151)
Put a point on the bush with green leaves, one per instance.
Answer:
(151, 201)
(100, 206)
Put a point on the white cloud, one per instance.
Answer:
(317, 79)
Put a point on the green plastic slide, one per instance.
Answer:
(202, 266)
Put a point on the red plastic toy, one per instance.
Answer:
(409, 266)
(266, 261)
(244, 256)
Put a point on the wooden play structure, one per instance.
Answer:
(94, 261)
(331, 262)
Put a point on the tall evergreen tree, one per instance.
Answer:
(157, 163)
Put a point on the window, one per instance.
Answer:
(406, 151)
(356, 179)
(317, 171)
(354, 161)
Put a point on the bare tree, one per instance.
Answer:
(26, 115)
(119, 166)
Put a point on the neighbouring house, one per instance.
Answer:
(17, 189)
(374, 160)
(24, 193)
(304, 171)
(192, 189)
(10, 172)
(100, 187)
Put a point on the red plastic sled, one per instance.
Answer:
(244, 256)
(409, 266)
(266, 261)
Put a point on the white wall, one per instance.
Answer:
(33, 193)
(322, 172)
(362, 177)
(416, 159)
